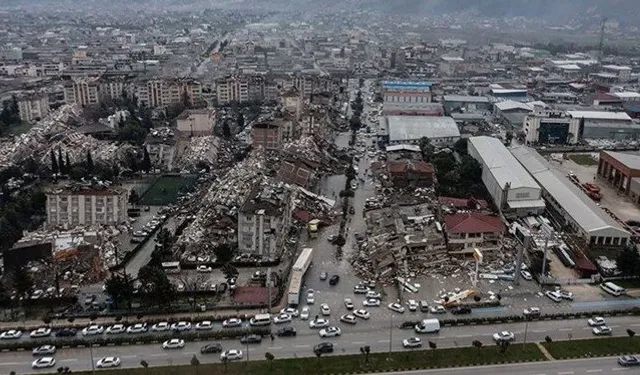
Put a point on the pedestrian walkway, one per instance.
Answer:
(545, 352)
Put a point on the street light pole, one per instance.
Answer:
(390, 332)
(526, 328)
(93, 366)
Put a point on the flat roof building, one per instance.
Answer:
(605, 125)
(568, 204)
(440, 130)
(622, 170)
(511, 187)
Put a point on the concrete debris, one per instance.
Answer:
(199, 149)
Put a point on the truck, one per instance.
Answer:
(297, 274)
(428, 326)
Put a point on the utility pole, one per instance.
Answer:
(548, 231)
(390, 333)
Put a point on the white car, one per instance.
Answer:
(115, 329)
(44, 362)
(311, 299)
(526, 275)
(330, 332)
(137, 328)
(348, 318)
(108, 362)
(319, 323)
(304, 315)
(204, 325)
(93, 330)
(232, 322)
(596, 321)
(372, 294)
(412, 342)
(360, 289)
(160, 327)
(566, 295)
(173, 344)
(325, 310)
(11, 334)
(348, 304)
(230, 355)
(437, 309)
(554, 296)
(531, 311)
(371, 302)
(204, 269)
(44, 350)
(291, 311)
(181, 326)
(282, 318)
(40, 332)
(396, 307)
(504, 336)
(362, 314)
(601, 331)
(412, 304)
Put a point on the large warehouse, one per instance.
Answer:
(441, 130)
(622, 170)
(570, 206)
(512, 188)
(607, 125)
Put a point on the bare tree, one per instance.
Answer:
(269, 357)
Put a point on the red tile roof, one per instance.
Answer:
(402, 166)
(473, 222)
(462, 202)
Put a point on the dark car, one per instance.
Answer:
(211, 348)
(628, 360)
(66, 332)
(323, 347)
(251, 339)
(334, 280)
(286, 331)
(461, 310)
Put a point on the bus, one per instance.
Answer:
(612, 289)
(171, 267)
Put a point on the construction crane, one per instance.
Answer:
(601, 41)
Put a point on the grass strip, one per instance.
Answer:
(354, 363)
(599, 347)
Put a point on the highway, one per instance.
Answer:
(370, 333)
(587, 366)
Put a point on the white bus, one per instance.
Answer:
(612, 289)
(171, 267)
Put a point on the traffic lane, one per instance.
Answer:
(603, 365)
(144, 254)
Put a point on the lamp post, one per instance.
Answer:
(390, 332)
(93, 365)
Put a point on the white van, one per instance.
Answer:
(260, 320)
(613, 289)
(428, 326)
(554, 296)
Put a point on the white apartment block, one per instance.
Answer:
(34, 108)
(83, 91)
(70, 207)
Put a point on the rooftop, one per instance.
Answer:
(395, 84)
(616, 67)
(402, 166)
(501, 163)
(80, 189)
(473, 222)
(631, 161)
(266, 198)
(509, 105)
(466, 99)
(578, 205)
(600, 115)
(402, 128)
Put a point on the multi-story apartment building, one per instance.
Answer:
(232, 89)
(82, 91)
(34, 107)
(264, 219)
(86, 205)
(162, 93)
(267, 135)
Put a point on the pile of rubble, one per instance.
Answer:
(199, 149)
(309, 150)
(77, 145)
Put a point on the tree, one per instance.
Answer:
(195, 362)
(164, 237)
(157, 289)
(548, 340)
(229, 271)
(443, 162)
(461, 146)
(365, 350)
(630, 333)
(269, 357)
(470, 170)
(224, 253)
(503, 345)
(477, 343)
(240, 121)
(120, 288)
(629, 261)
(427, 149)
(146, 161)
(508, 137)
(89, 162)
(355, 123)
(22, 282)
(54, 163)
(67, 163)
(225, 361)
(226, 130)
(61, 166)
(133, 197)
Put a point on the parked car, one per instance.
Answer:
(211, 348)
(325, 310)
(566, 295)
(282, 318)
(334, 280)
(286, 331)
(371, 302)
(531, 311)
(204, 269)
(311, 299)
(504, 336)
(304, 315)
(291, 311)
(412, 342)
(44, 350)
(181, 326)
(437, 309)
(348, 318)
(360, 289)
(232, 322)
(348, 304)
(40, 332)
(526, 275)
(318, 323)
(323, 347)
(108, 362)
(323, 276)
(362, 314)
(330, 332)
(173, 344)
(554, 296)
(44, 362)
(412, 304)
(115, 329)
(160, 327)
(396, 307)
(93, 330)
(372, 294)
(137, 328)
(204, 325)
(251, 339)
(66, 332)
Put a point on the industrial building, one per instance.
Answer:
(605, 125)
(547, 126)
(441, 131)
(568, 205)
(622, 171)
(406, 92)
(466, 103)
(512, 188)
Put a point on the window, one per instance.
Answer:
(522, 195)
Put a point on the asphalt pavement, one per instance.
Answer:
(377, 335)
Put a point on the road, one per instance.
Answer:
(606, 365)
(372, 333)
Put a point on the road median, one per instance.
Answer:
(597, 347)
